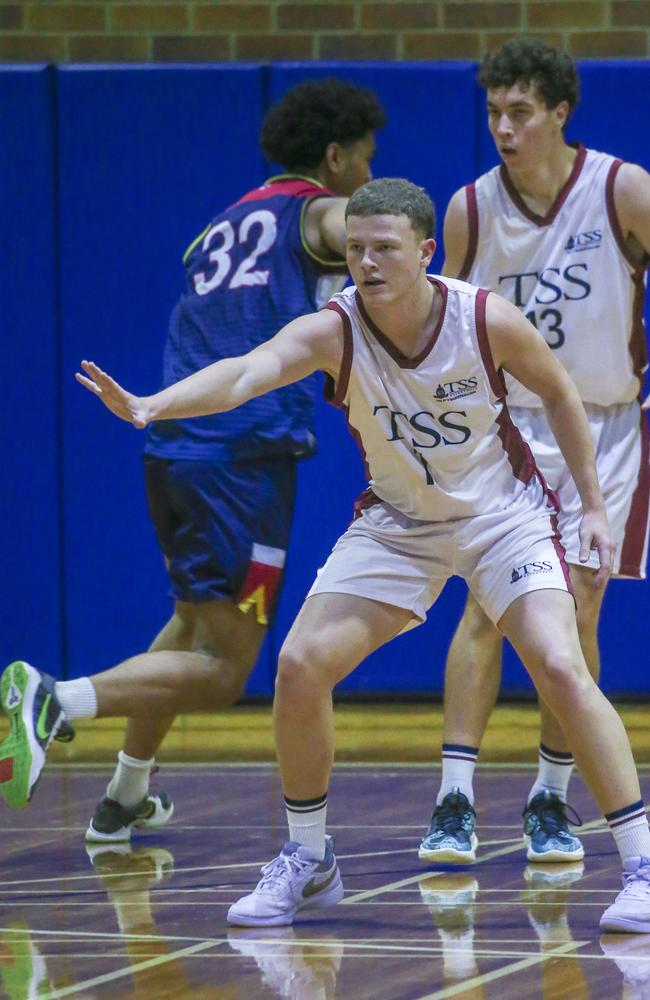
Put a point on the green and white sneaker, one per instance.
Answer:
(28, 698)
(112, 823)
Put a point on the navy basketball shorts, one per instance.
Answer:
(223, 527)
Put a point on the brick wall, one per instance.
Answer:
(226, 30)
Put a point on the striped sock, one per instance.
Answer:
(630, 829)
(553, 773)
(306, 818)
(458, 763)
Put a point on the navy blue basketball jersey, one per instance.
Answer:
(247, 274)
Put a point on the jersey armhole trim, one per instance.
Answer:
(336, 263)
(336, 390)
(472, 233)
(495, 378)
(613, 217)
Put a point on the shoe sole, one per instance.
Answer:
(552, 857)
(447, 855)
(20, 748)
(333, 896)
(621, 925)
(123, 835)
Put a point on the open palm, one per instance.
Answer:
(123, 404)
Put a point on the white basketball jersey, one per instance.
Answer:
(568, 272)
(438, 442)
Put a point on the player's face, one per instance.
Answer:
(353, 166)
(524, 129)
(385, 256)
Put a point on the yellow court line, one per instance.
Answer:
(110, 977)
(508, 970)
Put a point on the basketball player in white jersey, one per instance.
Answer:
(416, 363)
(563, 232)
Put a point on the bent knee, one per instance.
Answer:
(301, 664)
(562, 677)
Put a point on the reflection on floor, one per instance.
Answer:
(147, 919)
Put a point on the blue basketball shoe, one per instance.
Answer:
(451, 836)
(291, 882)
(546, 830)
(28, 698)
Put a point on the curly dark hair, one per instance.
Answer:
(526, 61)
(298, 128)
(395, 196)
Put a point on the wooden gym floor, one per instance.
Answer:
(147, 920)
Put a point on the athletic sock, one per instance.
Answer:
(306, 818)
(458, 763)
(130, 783)
(630, 829)
(554, 771)
(77, 698)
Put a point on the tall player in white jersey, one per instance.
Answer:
(416, 363)
(563, 232)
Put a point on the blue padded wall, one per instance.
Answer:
(148, 155)
(430, 138)
(29, 498)
(144, 157)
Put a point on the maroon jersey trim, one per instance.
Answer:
(401, 359)
(497, 382)
(562, 195)
(472, 235)
(335, 391)
(636, 525)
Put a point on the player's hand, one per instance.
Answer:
(123, 404)
(594, 534)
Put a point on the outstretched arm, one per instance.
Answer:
(520, 350)
(303, 346)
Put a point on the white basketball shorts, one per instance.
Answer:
(620, 438)
(388, 557)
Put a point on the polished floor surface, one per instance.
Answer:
(148, 920)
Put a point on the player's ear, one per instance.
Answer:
(561, 113)
(334, 155)
(427, 250)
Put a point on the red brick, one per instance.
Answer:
(495, 39)
(190, 48)
(364, 46)
(608, 44)
(232, 17)
(109, 48)
(441, 45)
(568, 14)
(28, 48)
(631, 13)
(410, 16)
(11, 17)
(152, 17)
(66, 17)
(315, 17)
(285, 46)
(472, 16)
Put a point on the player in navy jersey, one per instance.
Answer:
(221, 488)
(564, 233)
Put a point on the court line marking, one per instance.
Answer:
(109, 977)
(508, 970)
(490, 856)
(267, 765)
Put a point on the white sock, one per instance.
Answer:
(629, 827)
(77, 698)
(306, 819)
(458, 763)
(130, 783)
(554, 770)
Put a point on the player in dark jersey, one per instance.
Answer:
(220, 489)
